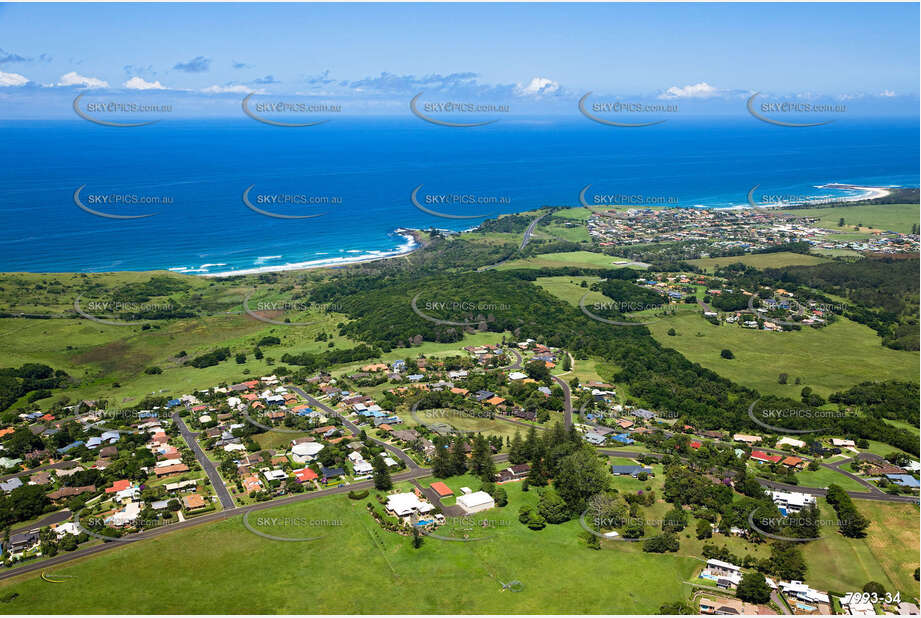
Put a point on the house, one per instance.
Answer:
(441, 489)
(406, 435)
(517, 375)
(762, 457)
(10, 485)
(69, 492)
(791, 501)
(40, 478)
(475, 502)
(181, 486)
(643, 414)
(407, 504)
(842, 443)
(119, 486)
(495, 401)
(362, 467)
(802, 592)
(623, 438)
(305, 475)
(796, 463)
(126, 516)
(788, 441)
(904, 480)
(164, 471)
(631, 471)
(514, 473)
(722, 607)
(23, 542)
(251, 484)
(306, 451)
(331, 473)
(747, 439)
(193, 501)
(67, 528)
(274, 475)
(595, 439)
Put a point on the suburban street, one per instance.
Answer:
(216, 480)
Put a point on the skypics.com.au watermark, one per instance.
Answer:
(285, 306)
(617, 306)
(108, 113)
(603, 112)
(281, 205)
(119, 203)
(261, 111)
(472, 313)
(429, 111)
(439, 201)
(771, 112)
(263, 523)
(122, 308)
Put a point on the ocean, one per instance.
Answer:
(359, 174)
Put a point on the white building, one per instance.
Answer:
(476, 502)
(517, 375)
(791, 442)
(403, 505)
(854, 606)
(125, 516)
(306, 452)
(802, 592)
(792, 501)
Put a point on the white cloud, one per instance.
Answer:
(75, 79)
(539, 85)
(236, 88)
(139, 83)
(703, 90)
(13, 79)
(887, 93)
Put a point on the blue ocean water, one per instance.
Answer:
(372, 165)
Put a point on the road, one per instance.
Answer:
(518, 359)
(527, 233)
(404, 457)
(53, 518)
(567, 401)
(204, 519)
(216, 480)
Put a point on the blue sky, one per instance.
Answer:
(535, 53)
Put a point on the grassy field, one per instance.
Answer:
(888, 554)
(357, 567)
(759, 260)
(871, 217)
(584, 259)
(823, 358)
(570, 289)
(823, 477)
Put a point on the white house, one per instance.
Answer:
(854, 606)
(406, 504)
(476, 502)
(791, 442)
(792, 501)
(67, 528)
(125, 516)
(306, 452)
(517, 375)
(362, 467)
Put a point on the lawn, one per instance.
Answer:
(584, 259)
(822, 358)
(881, 217)
(570, 289)
(888, 554)
(760, 260)
(363, 569)
(823, 477)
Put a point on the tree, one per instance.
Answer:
(580, 476)
(567, 364)
(552, 507)
(675, 520)
(671, 332)
(841, 222)
(727, 354)
(782, 378)
(517, 453)
(500, 496)
(677, 608)
(874, 588)
(417, 538)
(382, 480)
(481, 461)
(753, 588)
(665, 542)
(704, 531)
(458, 456)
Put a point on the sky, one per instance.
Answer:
(374, 56)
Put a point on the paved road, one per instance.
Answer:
(204, 519)
(53, 518)
(527, 233)
(355, 429)
(878, 496)
(567, 401)
(216, 480)
(518, 359)
(835, 467)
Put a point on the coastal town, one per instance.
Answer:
(88, 475)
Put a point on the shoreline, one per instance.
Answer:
(411, 236)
